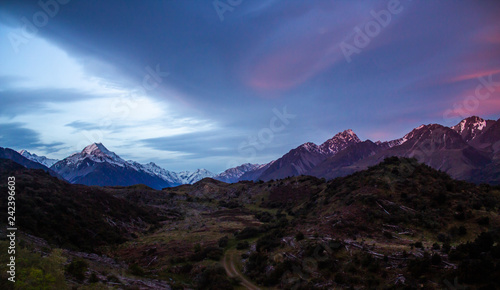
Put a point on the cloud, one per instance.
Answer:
(75, 76)
(22, 101)
(17, 137)
(79, 125)
(475, 75)
(195, 144)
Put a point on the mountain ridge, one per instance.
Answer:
(462, 150)
(469, 150)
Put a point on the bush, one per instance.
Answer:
(214, 278)
(299, 236)
(264, 216)
(462, 231)
(458, 231)
(93, 278)
(242, 245)
(212, 253)
(418, 267)
(247, 233)
(77, 269)
(136, 270)
(483, 221)
(113, 279)
(270, 240)
(223, 242)
(446, 248)
(436, 259)
(443, 238)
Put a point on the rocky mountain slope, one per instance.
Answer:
(469, 151)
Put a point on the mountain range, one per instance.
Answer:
(96, 165)
(468, 151)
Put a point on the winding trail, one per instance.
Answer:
(228, 263)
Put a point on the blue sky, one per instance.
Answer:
(213, 84)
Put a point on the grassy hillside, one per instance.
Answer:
(399, 224)
(71, 216)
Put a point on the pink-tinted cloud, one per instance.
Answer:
(291, 65)
(474, 75)
(471, 103)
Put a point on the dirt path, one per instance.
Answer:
(228, 263)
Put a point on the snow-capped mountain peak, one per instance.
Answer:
(39, 159)
(338, 142)
(471, 127)
(95, 148)
(153, 169)
(233, 174)
(98, 153)
(188, 177)
(309, 146)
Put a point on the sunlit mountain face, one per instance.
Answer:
(230, 144)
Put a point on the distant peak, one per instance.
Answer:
(474, 118)
(347, 134)
(471, 127)
(95, 147)
(308, 144)
(470, 120)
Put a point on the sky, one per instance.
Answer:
(214, 84)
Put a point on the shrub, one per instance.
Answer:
(418, 267)
(264, 216)
(77, 269)
(214, 278)
(112, 278)
(214, 253)
(436, 259)
(223, 241)
(443, 238)
(483, 221)
(136, 270)
(242, 245)
(93, 278)
(247, 233)
(462, 231)
(299, 236)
